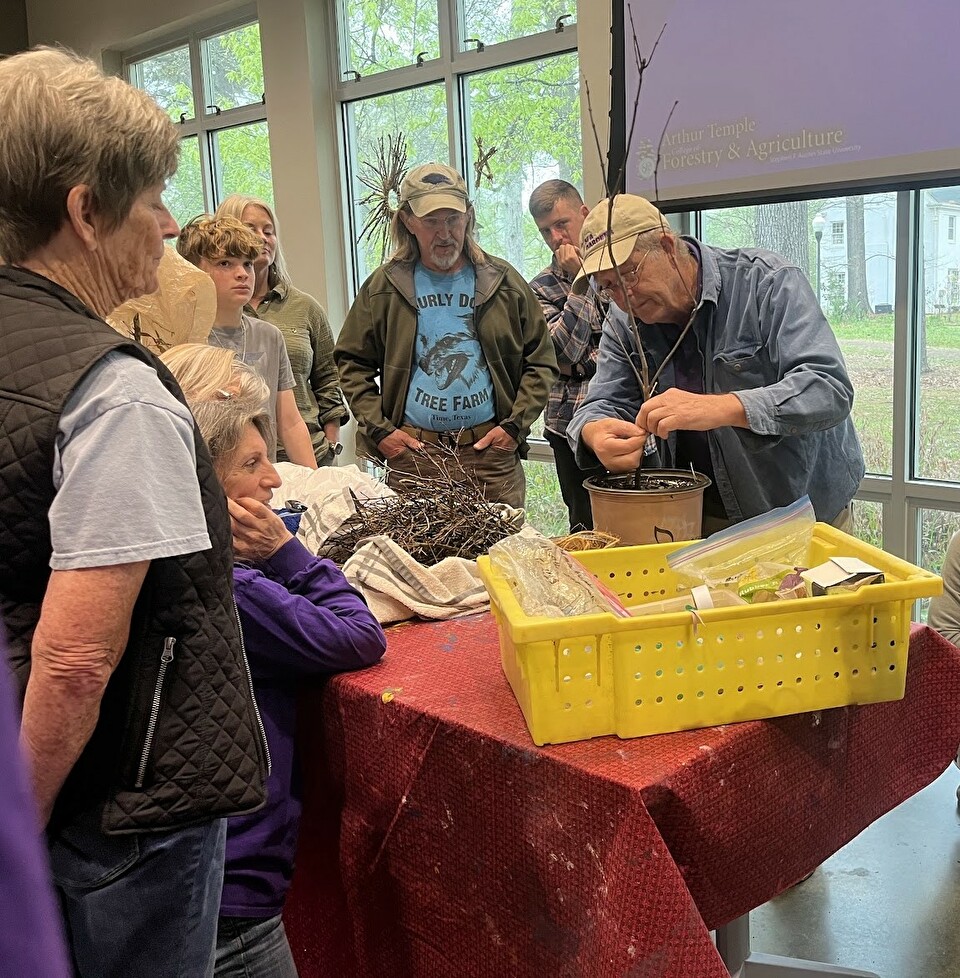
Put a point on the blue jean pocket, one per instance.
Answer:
(83, 857)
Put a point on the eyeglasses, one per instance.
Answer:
(627, 278)
(443, 223)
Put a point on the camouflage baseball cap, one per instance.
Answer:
(606, 243)
(430, 186)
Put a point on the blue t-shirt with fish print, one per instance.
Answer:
(450, 386)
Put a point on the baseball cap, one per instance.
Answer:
(606, 243)
(430, 186)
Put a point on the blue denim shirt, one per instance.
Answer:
(765, 339)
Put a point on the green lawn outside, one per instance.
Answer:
(942, 330)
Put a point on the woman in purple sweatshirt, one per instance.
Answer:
(301, 620)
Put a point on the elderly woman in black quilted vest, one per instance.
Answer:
(137, 716)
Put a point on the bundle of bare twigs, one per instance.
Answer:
(430, 517)
(382, 178)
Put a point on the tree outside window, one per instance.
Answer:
(416, 121)
(211, 85)
(493, 21)
(514, 112)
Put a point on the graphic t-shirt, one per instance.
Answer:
(450, 387)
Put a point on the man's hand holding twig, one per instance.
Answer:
(618, 444)
(679, 410)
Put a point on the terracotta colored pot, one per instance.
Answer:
(668, 505)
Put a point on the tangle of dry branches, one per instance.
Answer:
(383, 178)
(443, 514)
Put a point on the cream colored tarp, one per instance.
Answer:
(182, 310)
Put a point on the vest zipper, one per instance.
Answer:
(166, 657)
(253, 698)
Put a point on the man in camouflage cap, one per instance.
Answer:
(445, 357)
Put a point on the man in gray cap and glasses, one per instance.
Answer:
(445, 357)
(756, 394)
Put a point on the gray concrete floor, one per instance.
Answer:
(888, 902)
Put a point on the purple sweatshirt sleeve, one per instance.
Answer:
(31, 940)
(301, 618)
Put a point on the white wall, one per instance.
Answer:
(594, 47)
(13, 35)
(94, 26)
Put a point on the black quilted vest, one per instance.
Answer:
(205, 756)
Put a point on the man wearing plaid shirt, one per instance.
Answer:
(574, 322)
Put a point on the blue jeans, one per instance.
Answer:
(253, 947)
(142, 904)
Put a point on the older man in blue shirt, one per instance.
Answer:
(755, 394)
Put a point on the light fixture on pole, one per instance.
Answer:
(819, 223)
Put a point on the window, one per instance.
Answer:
(184, 196)
(211, 84)
(491, 21)
(545, 508)
(935, 528)
(867, 519)
(416, 119)
(168, 79)
(836, 232)
(529, 148)
(951, 227)
(507, 116)
(866, 340)
(936, 353)
(378, 37)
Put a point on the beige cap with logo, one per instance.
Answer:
(606, 243)
(430, 186)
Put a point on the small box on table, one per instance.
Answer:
(591, 675)
(840, 574)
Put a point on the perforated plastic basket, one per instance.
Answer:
(598, 674)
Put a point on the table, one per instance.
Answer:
(438, 840)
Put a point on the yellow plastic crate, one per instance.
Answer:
(591, 675)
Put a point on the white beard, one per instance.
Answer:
(445, 261)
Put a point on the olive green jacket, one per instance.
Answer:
(376, 348)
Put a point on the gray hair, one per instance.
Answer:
(224, 394)
(234, 206)
(545, 197)
(405, 247)
(208, 373)
(650, 240)
(223, 424)
(63, 123)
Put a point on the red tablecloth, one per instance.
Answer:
(439, 841)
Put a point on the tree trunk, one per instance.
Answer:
(783, 228)
(858, 302)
